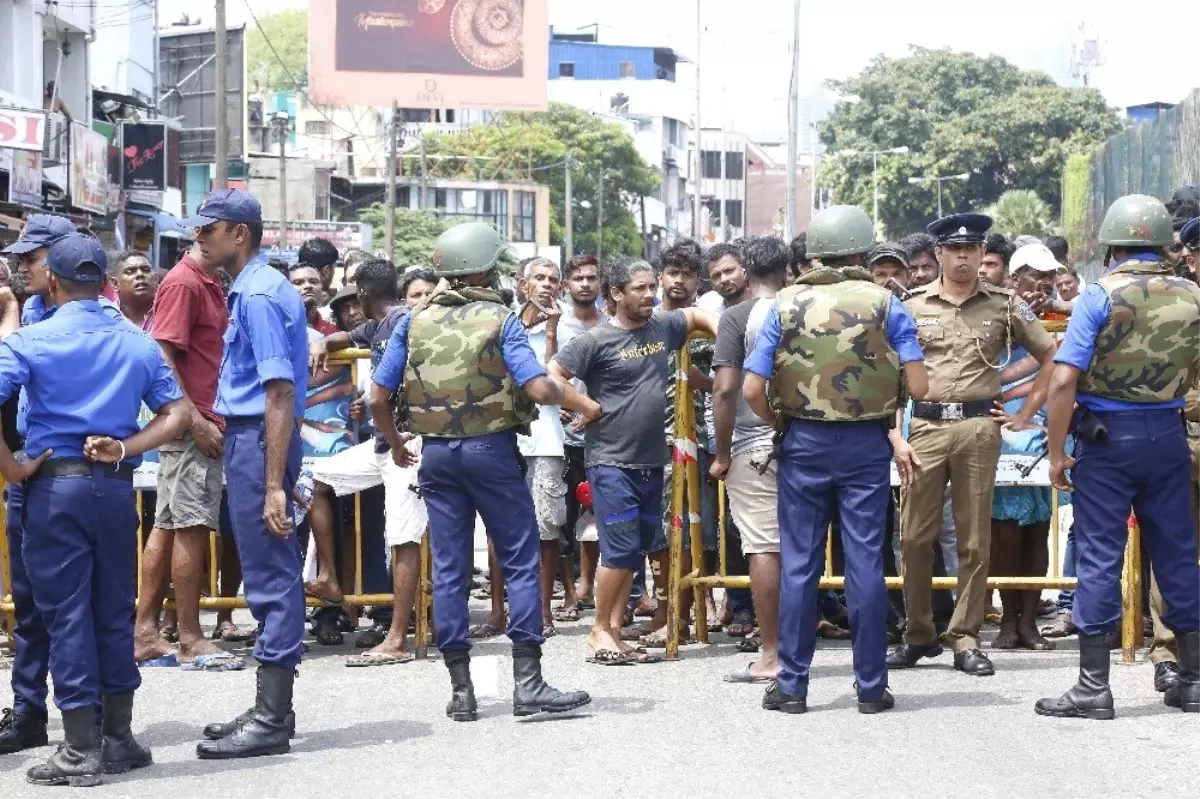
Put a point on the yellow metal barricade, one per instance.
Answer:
(684, 460)
(424, 595)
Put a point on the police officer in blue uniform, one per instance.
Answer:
(261, 393)
(86, 375)
(24, 726)
(463, 470)
(835, 348)
(1128, 359)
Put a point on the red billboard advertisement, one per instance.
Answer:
(490, 54)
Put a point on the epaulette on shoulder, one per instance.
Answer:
(919, 291)
(1002, 290)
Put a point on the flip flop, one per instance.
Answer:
(750, 644)
(640, 657)
(585, 605)
(164, 662)
(744, 676)
(230, 633)
(325, 601)
(561, 613)
(483, 631)
(608, 657)
(379, 659)
(214, 661)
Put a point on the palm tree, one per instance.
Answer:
(1021, 212)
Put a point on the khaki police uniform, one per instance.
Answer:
(963, 344)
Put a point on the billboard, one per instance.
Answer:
(89, 169)
(22, 129)
(188, 78)
(489, 54)
(144, 156)
(25, 182)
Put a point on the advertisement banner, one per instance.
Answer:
(343, 235)
(144, 156)
(490, 54)
(25, 181)
(22, 129)
(89, 169)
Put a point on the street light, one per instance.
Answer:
(939, 179)
(875, 175)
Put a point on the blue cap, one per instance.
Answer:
(1189, 234)
(226, 205)
(40, 230)
(960, 228)
(78, 257)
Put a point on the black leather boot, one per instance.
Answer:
(219, 729)
(119, 751)
(1090, 698)
(461, 706)
(531, 694)
(19, 732)
(77, 762)
(266, 732)
(1185, 694)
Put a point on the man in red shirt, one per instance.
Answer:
(190, 317)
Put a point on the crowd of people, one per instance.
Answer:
(544, 415)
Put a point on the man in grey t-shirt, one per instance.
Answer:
(744, 443)
(623, 363)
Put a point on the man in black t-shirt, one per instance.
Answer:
(624, 364)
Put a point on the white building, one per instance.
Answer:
(124, 57)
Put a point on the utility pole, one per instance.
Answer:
(699, 157)
(282, 124)
(221, 151)
(789, 203)
(424, 173)
(569, 213)
(389, 214)
(600, 219)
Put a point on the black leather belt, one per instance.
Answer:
(79, 467)
(952, 411)
(243, 420)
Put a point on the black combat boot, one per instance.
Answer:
(461, 706)
(1185, 694)
(266, 732)
(531, 694)
(219, 729)
(77, 762)
(120, 752)
(1090, 698)
(19, 732)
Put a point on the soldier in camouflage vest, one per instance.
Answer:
(468, 381)
(1129, 359)
(833, 348)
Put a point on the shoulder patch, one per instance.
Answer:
(1026, 312)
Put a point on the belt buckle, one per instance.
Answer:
(952, 411)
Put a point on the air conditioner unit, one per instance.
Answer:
(57, 143)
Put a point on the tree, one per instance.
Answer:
(1021, 212)
(268, 69)
(534, 145)
(416, 232)
(956, 112)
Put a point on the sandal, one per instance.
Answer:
(636, 631)
(379, 659)
(640, 657)
(742, 624)
(608, 657)
(585, 604)
(483, 631)
(230, 633)
(564, 613)
(371, 638)
(327, 602)
(750, 644)
(827, 629)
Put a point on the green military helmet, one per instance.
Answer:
(468, 249)
(840, 230)
(1137, 220)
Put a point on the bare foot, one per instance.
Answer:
(151, 646)
(645, 607)
(762, 670)
(603, 639)
(392, 645)
(194, 648)
(1030, 638)
(326, 590)
(1008, 637)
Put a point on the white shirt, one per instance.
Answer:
(546, 431)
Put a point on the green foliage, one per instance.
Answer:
(416, 232)
(1076, 192)
(523, 146)
(1021, 212)
(956, 112)
(287, 30)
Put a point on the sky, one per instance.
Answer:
(745, 46)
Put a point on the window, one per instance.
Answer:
(628, 69)
(710, 164)
(714, 211)
(566, 69)
(525, 217)
(733, 213)
(316, 127)
(474, 205)
(734, 167)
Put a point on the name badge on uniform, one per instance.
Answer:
(928, 320)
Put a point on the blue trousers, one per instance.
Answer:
(825, 465)
(460, 477)
(1066, 597)
(1144, 464)
(271, 566)
(31, 660)
(79, 550)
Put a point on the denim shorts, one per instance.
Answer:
(628, 507)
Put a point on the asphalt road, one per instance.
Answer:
(670, 729)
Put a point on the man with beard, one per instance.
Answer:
(889, 268)
(922, 263)
(965, 327)
(133, 280)
(307, 281)
(728, 278)
(1067, 285)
